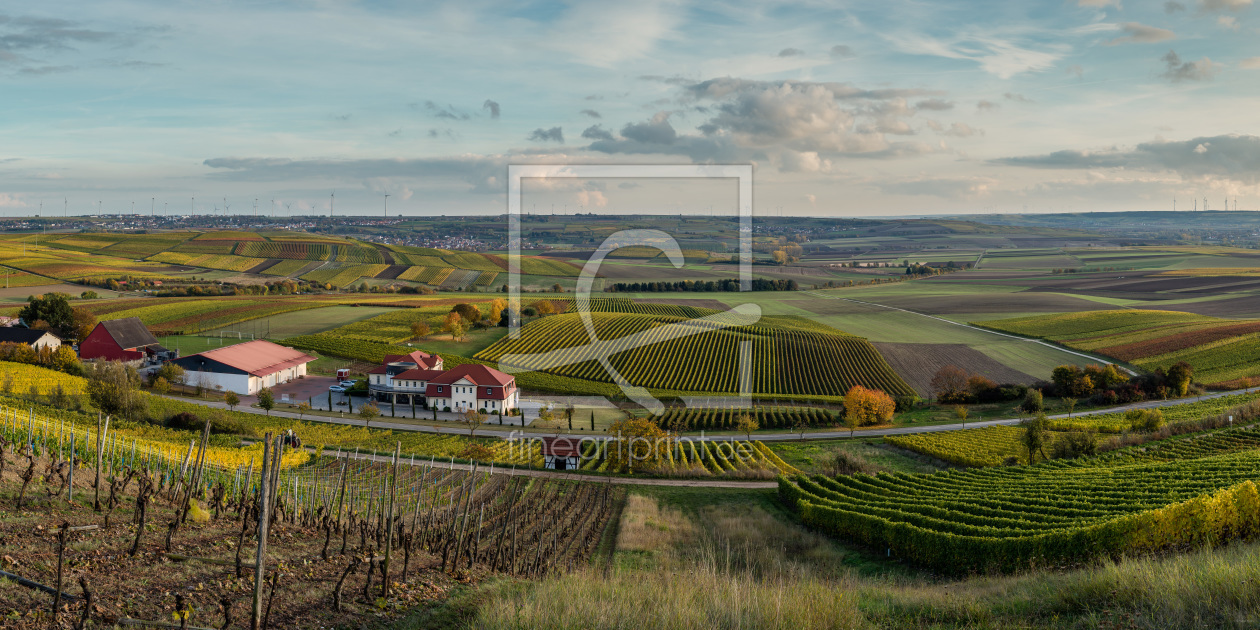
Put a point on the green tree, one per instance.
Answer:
(1036, 434)
(1033, 403)
(369, 412)
(266, 400)
(231, 399)
(746, 424)
(114, 389)
(1145, 420)
(1180, 374)
(1070, 403)
(161, 386)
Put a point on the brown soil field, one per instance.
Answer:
(917, 363)
(263, 266)
(392, 272)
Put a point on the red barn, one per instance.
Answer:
(120, 340)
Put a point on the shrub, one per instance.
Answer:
(1076, 443)
(1033, 402)
(1145, 420)
(906, 402)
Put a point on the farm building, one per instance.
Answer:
(473, 386)
(244, 368)
(36, 339)
(420, 378)
(126, 340)
(561, 453)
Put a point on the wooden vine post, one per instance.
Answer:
(264, 518)
(389, 521)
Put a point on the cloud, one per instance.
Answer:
(547, 135)
(1212, 6)
(949, 188)
(1172, 7)
(934, 104)
(1235, 157)
(1177, 70)
(791, 52)
(962, 130)
(42, 70)
(29, 33)
(597, 132)
(1227, 21)
(1076, 70)
(481, 173)
(1019, 98)
(840, 51)
(997, 53)
(655, 131)
(397, 133)
(10, 201)
(1250, 63)
(342, 117)
(492, 106)
(590, 112)
(448, 112)
(985, 106)
(1098, 4)
(1142, 34)
(445, 132)
(592, 199)
(388, 186)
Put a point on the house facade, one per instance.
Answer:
(244, 368)
(561, 453)
(421, 379)
(36, 339)
(126, 340)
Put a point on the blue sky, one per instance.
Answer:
(893, 107)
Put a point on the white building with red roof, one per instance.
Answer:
(244, 368)
(421, 378)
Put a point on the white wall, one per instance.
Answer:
(243, 384)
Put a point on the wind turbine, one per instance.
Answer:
(287, 211)
(332, 200)
(386, 205)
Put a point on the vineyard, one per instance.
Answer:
(15, 278)
(688, 458)
(1192, 491)
(991, 446)
(1220, 350)
(682, 354)
(700, 419)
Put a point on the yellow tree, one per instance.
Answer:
(544, 307)
(496, 310)
(639, 443)
(455, 325)
(864, 406)
(420, 329)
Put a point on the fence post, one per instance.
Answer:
(264, 514)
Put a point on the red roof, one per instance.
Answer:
(477, 374)
(258, 357)
(418, 374)
(482, 377)
(380, 369)
(562, 446)
(421, 359)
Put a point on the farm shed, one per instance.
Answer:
(561, 453)
(36, 339)
(126, 340)
(244, 368)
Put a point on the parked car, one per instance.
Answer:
(348, 384)
(336, 389)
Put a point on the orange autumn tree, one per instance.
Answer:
(864, 406)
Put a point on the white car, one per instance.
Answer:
(348, 384)
(336, 388)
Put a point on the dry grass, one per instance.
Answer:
(645, 526)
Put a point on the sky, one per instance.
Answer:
(847, 109)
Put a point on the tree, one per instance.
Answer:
(496, 311)
(1036, 434)
(544, 307)
(545, 414)
(1180, 374)
(960, 412)
(82, 324)
(53, 308)
(746, 424)
(469, 312)
(369, 412)
(420, 329)
(864, 406)
(169, 371)
(472, 419)
(1033, 403)
(780, 257)
(89, 295)
(1071, 404)
(949, 384)
(529, 311)
(568, 413)
(1146, 420)
(161, 386)
(454, 325)
(639, 443)
(303, 408)
(115, 390)
(266, 400)
(232, 400)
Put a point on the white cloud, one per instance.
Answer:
(1227, 21)
(1250, 63)
(1177, 70)
(607, 33)
(1142, 34)
(10, 201)
(1223, 5)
